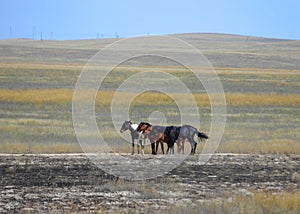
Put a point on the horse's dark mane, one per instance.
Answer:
(145, 123)
(141, 124)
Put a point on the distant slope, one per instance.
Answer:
(222, 50)
(237, 51)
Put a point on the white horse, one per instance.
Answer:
(135, 135)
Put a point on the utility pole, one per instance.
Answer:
(41, 36)
(10, 32)
(33, 32)
(51, 35)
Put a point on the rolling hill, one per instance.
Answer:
(222, 50)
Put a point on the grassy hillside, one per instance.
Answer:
(231, 51)
(260, 76)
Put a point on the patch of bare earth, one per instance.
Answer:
(71, 183)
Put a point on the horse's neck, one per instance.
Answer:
(133, 127)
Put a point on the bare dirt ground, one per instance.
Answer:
(72, 183)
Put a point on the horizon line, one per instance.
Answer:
(144, 35)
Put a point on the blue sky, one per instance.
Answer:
(77, 19)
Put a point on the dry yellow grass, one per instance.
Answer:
(65, 96)
(74, 67)
(239, 99)
(284, 202)
(57, 148)
(20, 148)
(59, 96)
(227, 70)
(272, 147)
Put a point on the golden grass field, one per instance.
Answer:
(264, 147)
(65, 96)
(261, 90)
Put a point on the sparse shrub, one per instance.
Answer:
(296, 177)
(11, 169)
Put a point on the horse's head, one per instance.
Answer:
(144, 127)
(125, 126)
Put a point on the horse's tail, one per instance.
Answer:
(202, 136)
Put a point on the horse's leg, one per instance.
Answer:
(193, 144)
(156, 148)
(138, 146)
(195, 147)
(182, 141)
(162, 147)
(178, 143)
(171, 150)
(132, 153)
(153, 147)
(142, 145)
(168, 149)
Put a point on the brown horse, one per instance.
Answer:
(158, 135)
(153, 135)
